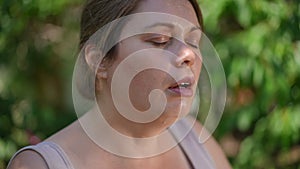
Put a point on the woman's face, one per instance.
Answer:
(171, 36)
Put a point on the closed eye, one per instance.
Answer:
(193, 43)
(159, 40)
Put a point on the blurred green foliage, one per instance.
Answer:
(38, 45)
(258, 42)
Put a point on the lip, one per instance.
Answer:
(183, 91)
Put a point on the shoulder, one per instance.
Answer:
(211, 145)
(28, 159)
(40, 155)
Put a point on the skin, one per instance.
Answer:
(84, 153)
(187, 64)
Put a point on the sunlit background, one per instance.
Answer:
(258, 42)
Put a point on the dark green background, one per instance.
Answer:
(258, 42)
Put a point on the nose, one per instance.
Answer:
(185, 55)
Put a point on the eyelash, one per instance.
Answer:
(160, 41)
(164, 40)
(193, 45)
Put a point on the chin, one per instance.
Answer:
(175, 114)
(179, 107)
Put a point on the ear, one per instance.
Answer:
(92, 58)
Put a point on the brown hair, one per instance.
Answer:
(95, 15)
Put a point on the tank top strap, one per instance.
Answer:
(52, 153)
(194, 150)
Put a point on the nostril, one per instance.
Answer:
(186, 62)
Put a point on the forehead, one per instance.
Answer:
(179, 13)
(179, 8)
(154, 22)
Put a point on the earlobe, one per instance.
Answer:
(102, 72)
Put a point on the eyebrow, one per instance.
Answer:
(195, 28)
(171, 26)
(161, 24)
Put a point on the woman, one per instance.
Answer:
(88, 143)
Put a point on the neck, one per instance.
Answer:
(130, 128)
(136, 130)
(136, 140)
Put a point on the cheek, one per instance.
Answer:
(142, 85)
(197, 68)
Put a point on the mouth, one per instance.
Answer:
(183, 87)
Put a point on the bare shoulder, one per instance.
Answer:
(212, 146)
(28, 159)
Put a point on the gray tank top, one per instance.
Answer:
(195, 152)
